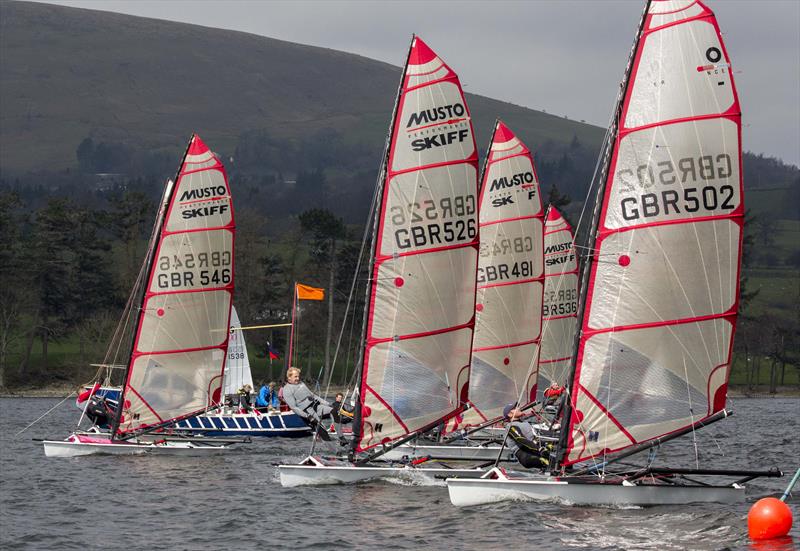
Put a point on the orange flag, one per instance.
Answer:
(305, 292)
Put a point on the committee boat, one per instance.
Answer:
(181, 305)
(659, 294)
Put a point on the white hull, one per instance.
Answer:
(313, 472)
(450, 453)
(470, 492)
(67, 448)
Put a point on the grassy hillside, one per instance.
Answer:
(68, 73)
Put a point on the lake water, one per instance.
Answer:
(235, 501)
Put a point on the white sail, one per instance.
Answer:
(181, 342)
(237, 368)
(508, 306)
(657, 330)
(420, 313)
(560, 307)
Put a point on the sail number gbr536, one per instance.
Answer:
(192, 270)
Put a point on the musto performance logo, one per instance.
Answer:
(428, 127)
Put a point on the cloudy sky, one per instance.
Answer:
(564, 57)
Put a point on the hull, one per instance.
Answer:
(450, 453)
(78, 446)
(314, 473)
(284, 424)
(465, 493)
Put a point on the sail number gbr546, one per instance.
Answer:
(192, 270)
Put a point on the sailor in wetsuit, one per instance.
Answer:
(312, 408)
(531, 453)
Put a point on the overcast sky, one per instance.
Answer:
(563, 57)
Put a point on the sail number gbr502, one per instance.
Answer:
(192, 270)
(432, 223)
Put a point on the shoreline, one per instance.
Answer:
(64, 391)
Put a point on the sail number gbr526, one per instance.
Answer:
(192, 270)
(433, 223)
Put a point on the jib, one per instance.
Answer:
(516, 179)
(204, 211)
(203, 192)
(439, 140)
(436, 114)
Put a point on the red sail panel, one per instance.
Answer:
(508, 309)
(420, 313)
(560, 308)
(657, 334)
(182, 337)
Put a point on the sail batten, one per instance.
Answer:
(181, 340)
(420, 320)
(657, 328)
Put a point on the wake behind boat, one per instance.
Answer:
(659, 294)
(182, 305)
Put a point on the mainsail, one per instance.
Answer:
(237, 368)
(508, 309)
(181, 341)
(420, 319)
(657, 328)
(560, 306)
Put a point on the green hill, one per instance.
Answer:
(69, 73)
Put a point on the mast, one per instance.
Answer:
(166, 199)
(370, 286)
(591, 237)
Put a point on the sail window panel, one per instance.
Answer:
(508, 314)
(433, 127)
(655, 380)
(511, 251)
(594, 433)
(499, 377)
(670, 12)
(559, 254)
(202, 200)
(192, 261)
(171, 385)
(511, 190)
(424, 293)
(676, 172)
(184, 320)
(430, 208)
(663, 273)
(557, 339)
(668, 85)
(419, 379)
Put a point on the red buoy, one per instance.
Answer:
(769, 518)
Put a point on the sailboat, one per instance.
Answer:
(508, 309)
(183, 304)
(233, 421)
(419, 320)
(560, 308)
(660, 284)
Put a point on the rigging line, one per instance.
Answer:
(691, 412)
(46, 413)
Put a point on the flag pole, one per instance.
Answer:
(291, 332)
